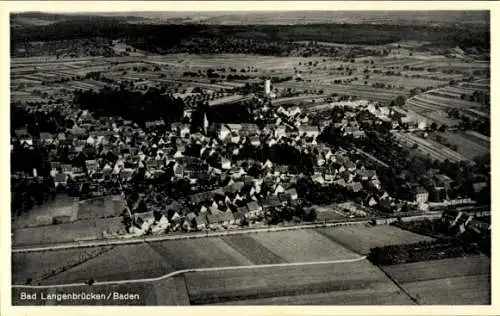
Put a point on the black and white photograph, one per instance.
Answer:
(250, 157)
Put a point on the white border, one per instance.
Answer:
(116, 6)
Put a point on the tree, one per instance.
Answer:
(443, 128)
(400, 101)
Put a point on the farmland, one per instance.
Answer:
(79, 230)
(332, 75)
(124, 262)
(218, 151)
(158, 258)
(465, 145)
(41, 265)
(361, 239)
(448, 281)
(60, 206)
(429, 147)
(338, 284)
(303, 245)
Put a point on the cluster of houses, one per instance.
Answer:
(107, 152)
(477, 222)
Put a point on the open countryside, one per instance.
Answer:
(298, 158)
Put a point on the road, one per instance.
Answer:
(108, 242)
(179, 272)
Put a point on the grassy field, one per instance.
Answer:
(196, 253)
(370, 296)
(343, 283)
(336, 283)
(124, 262)
(39, 265)
(303, 245)
(428, 146)
(448, 281)
(67, 232)
(153, 259)
(253, 250)
(466, 146)
(466, 290)
(60, 206)
(360, 239)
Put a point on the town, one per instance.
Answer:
(392, 137)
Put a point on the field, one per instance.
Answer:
(107, 206)
(124, 262)
(39, 265)
(429, 147)
(253, 250)
(466, 147)
(448, 281)
(61, 206)
(360, 239)
(303, 245)
(158, 258)
(67, 232)
(336, 284)
(196, 253)
(317, 73)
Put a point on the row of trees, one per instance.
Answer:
(131, 105)
(421, 251)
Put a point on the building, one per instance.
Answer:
(421, 195)
(267, 87)
(309, 131)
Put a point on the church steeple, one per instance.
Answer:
(205, 122)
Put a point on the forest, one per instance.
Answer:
(249, 39)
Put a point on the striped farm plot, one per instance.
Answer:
(409, 61)
(454, 281)
(198, 253)
(408, 83)
(364, 92)
(82, 85)
(427, 146)
(361, 239)
(38, 266)
(453, 92)
(483, 86)
(440, 117)
(466, 147)
(447, 102)
(133, 261)
(334, 284)
(431, 102)
(303, 245)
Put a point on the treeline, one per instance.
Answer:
(51, 121)
(234, 112)
(421, 251)
(131, 105)
(259, 39)
(477, 96)
(26, 194)
(440, 227)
